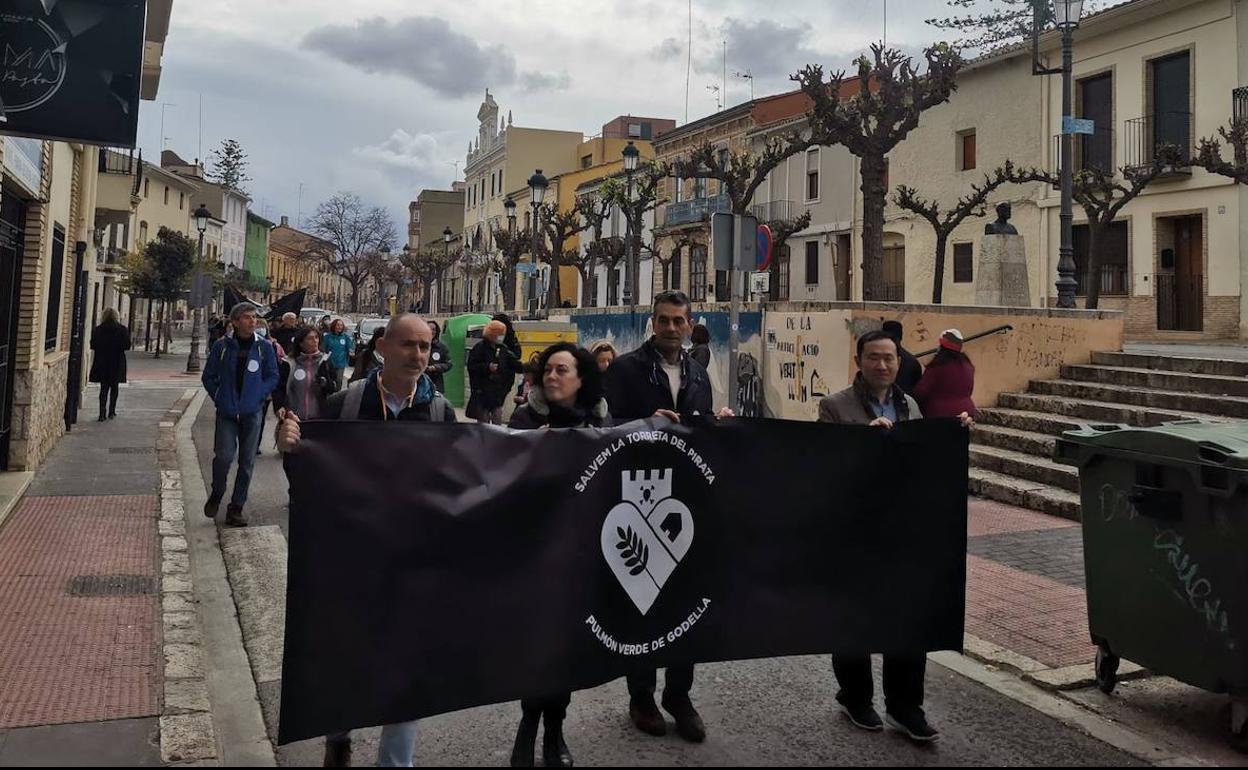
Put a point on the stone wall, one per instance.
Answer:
(38, 411)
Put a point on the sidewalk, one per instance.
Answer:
(81, 657)
(1026, 610)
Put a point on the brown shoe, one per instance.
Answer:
(234, 516)
(688, 724)
(645, 714)
(338, 753)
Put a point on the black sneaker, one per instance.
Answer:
(863, 717)
(914, 725)
(211, 507)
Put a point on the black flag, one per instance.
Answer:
(508, 564)
(291, 303)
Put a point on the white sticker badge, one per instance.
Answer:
(253, 365)
(300, 374)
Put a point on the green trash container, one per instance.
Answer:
(458, 334)
(1165, 548)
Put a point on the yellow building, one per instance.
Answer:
(290, 273)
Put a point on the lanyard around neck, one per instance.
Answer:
(381, 390)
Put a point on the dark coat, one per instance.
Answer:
(637, 386)
(490, 389)
(109, 342)
(439, 363)
(537, 413)
(909, 371)
(946, 388)
(702, 354)
(305, 394)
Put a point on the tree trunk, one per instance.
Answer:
(552, 291)
(147, 326)
(355, 296)
(1092, 266)
(938, 276)
(874, 194)
(589, 298)
(160, 325)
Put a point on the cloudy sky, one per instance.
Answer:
(379, 97)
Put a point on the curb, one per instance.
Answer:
(234, 722)
(186, 728)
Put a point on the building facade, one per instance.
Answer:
(51, 281)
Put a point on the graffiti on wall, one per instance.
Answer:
(806, 360)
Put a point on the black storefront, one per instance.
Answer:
(12, 221)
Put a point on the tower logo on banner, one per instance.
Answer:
(645, 537)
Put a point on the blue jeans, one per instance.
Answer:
(397, 747)
(236, 435)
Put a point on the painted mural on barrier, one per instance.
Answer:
(626, 331)
(806, 356)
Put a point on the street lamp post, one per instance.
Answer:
(1066, 15)
(537, 193)
(446, 254)
(202, 215)
(631, 290)
(509, 282)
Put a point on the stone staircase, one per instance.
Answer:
(1012, 444)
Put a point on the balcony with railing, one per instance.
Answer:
(1114, 281)
(120, 172)
(775, 211)
(1148, 136)
(696, 210)
(1091, 151)
(889, 292)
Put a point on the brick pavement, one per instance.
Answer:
(1024, 583)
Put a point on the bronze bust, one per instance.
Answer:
(1002, 226)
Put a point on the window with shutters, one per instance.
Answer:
(812, 263)
(812, 175)
(966, 150)
(697, 274)
(963, 263)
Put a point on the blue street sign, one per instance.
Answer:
(526, 268)
(1078, 125)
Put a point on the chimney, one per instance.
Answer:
(285, 221)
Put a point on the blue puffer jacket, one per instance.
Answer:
(258, 381)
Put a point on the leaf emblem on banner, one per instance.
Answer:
(635, 553)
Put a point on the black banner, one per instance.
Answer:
(438, 567)
(71, 69)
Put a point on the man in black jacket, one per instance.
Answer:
(659, 379)
(910, 370)
(439, 358)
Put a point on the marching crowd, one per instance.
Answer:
(398, 375)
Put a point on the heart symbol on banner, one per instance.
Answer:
(643, 550)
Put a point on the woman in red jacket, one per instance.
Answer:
(947, 383)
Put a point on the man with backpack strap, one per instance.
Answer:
(398, 391)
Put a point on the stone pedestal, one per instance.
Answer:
(1001, 277)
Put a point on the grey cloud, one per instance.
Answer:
(540, 81)
(427, 50)
(669, 49)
